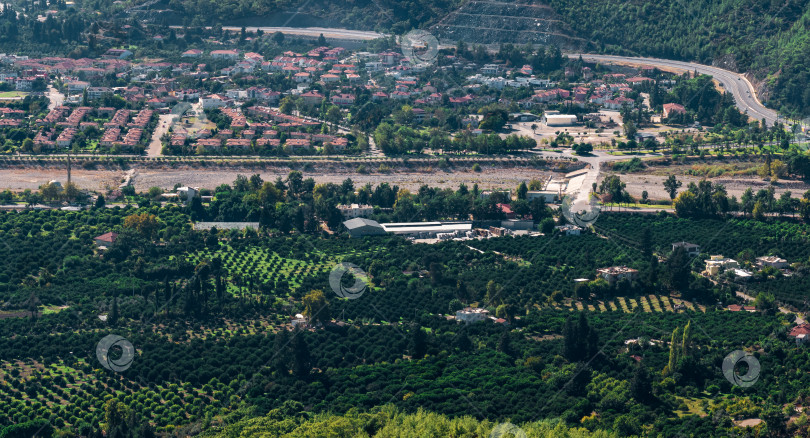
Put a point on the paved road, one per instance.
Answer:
(55, 98)
(799, 316)
(579, 187)
(735, 83)
(156, 145)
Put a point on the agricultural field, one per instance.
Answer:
(657, 304)
(72, 395)
(214, 344)
(267, 268)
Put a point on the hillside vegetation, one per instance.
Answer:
(387, 421)
(767, 38)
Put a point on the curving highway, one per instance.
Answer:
(735, 83)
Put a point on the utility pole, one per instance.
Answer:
(68, 166)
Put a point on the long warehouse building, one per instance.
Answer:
(359, 227)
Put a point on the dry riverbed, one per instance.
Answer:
(490, 177)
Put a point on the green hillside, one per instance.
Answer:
(388, 421)
(769, 39)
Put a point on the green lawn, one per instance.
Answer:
(12, 94)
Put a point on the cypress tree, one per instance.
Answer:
(674, 347)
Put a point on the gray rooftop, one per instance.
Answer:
(360, 222)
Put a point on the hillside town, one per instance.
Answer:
(229, 102)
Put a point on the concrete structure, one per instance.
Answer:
(359, 227)
(718, 262)
(355, 210)
(741, 274)
(469, 315)
(617, 273)
(548, 196)
(212, 102)
(690, 248)
(559, 119)
(515, 224)
(491, 69)
(773, 261)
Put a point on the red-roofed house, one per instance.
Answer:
(801, 329)
(224, 54)
(507, 210)
(343, 99)
(673, 108)
(192, 53)
(106, 239)
(312, 97)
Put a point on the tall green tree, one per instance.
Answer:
(671, 184)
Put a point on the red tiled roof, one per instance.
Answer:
(107, 237)
(801, 329)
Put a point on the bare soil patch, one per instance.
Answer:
(493, 175)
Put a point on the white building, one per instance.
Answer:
(690, 248)
(187, 193)
(773, 261)
(355, 210)
(559, 119)
(617, 273)
(549, 196)
(212, 102)
(490, 69)
(716, 262)
(426, 230)
(469, 315)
